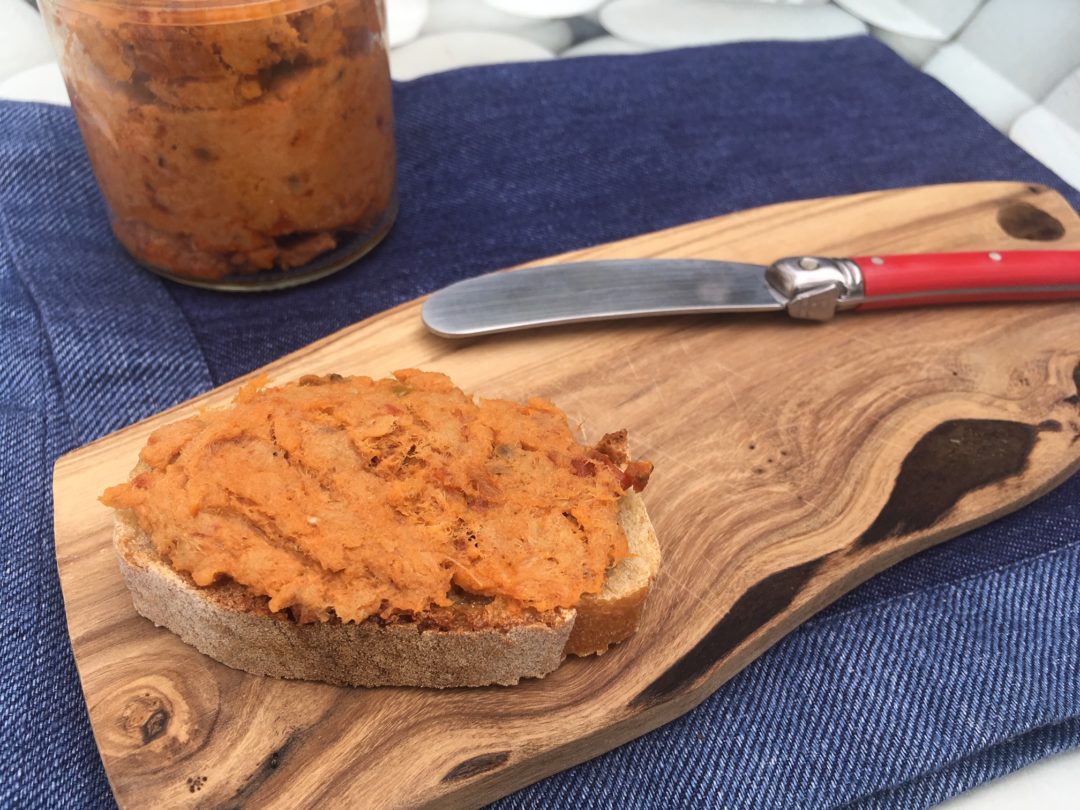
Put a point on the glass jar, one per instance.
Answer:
(239, 144)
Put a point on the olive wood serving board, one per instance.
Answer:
(793, 461)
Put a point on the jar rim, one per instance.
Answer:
(185, 12)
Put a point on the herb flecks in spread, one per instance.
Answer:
(353, 498)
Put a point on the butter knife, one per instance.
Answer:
(807, 287)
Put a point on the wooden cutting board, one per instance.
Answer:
(793, 461)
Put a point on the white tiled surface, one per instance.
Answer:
(923, 19)
(1017, 62)
(23, 42)
(706, 22)
(452, 49)
(1051, 131)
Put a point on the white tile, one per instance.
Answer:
(604, 45)
(916, 51)
(923, 19)
(1051, 132)
(39, 83)
(1052, 141)
(546, 9)
(23, 40)
(1011, 54)
(1064, 100)
(476, 15)
(674, 23)
(470, 15)
(1034, 43)
(554, 35)
(994, 96)
(404, 19)
(445, 51)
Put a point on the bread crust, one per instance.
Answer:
(224, 622)
(612, 615)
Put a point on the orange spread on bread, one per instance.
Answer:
(353, 498)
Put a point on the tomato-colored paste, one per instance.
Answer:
(231, 138)
(350, 498)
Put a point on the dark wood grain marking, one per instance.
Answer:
(1075, 398)
(761, 603)
(146, 717)
(953, 459)
(476, 765)
(266, 769)
(155, 725)
(1024, 221)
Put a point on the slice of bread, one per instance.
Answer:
(227, 623)
(612, 615)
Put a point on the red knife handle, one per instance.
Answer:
(959, 278)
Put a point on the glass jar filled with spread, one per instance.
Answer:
(239, 144)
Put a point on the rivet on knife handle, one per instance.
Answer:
(815, 288)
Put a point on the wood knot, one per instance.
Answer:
(157, 717)
(146, 716)
(1024, 221)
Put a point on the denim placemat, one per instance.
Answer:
(952, 668)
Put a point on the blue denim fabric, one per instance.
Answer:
(952, 668)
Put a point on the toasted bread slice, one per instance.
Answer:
(227, 623)
(612, 615)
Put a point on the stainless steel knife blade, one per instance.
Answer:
(598, 290)
(806, 287)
